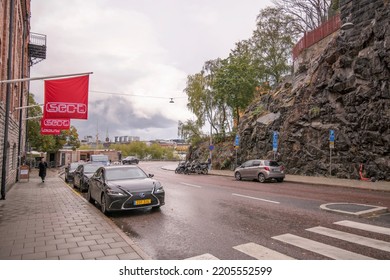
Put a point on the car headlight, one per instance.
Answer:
(158, 188)
(114, 192)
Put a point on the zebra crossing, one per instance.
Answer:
(260, 252)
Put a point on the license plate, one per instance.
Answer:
(142, 201)
(276, 169)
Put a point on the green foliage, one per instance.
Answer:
(272, 41)
(314, 112)
(236, 80)
(47, 143)
(190, 131)
(143, 151)
(258, 111)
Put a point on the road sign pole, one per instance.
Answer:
(330, 162)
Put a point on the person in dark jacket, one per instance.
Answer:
(42, 169)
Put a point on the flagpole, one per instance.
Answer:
(43, 78)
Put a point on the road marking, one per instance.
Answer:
(190, 185)
(260, 252)
(203, 257)
(256, 198)
(361, 240)
(365, 227)
(320, 248)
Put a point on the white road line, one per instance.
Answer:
(320, 248)
(365, 227)
(190, 185)
(256, 198)
(357, 239)
(261, 253)
(203, 257)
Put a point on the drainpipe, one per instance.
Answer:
(21, 97)
(8, 99)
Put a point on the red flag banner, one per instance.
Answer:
(66, 98)
(62, 124)
(50, 131)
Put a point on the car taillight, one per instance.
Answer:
(266, 168)
(282, 168)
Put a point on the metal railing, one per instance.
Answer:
(312, 37)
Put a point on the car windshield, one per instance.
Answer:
(125, 173)
(91, 168)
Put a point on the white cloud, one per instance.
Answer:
(143, 49)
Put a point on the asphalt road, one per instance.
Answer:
(218, 217)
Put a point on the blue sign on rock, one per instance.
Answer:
(237, 141)
(275, 141)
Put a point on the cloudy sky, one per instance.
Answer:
(140, 53)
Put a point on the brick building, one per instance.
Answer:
(14, 64)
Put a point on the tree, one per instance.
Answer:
(308, 14)
(47, 143)
(272, 42)
(235, 81)
(191, 131)
(72, 137)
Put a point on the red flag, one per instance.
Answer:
(62, 124)
(49, 131)
(66, 98)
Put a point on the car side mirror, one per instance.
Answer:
(151, 175)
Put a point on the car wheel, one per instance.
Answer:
(89, 197)
(237, 175)
(103, 206)
(261, 177)
(279, 180)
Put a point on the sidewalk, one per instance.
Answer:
(44, 221)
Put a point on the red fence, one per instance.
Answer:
(316, 35)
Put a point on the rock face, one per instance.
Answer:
(346, 88)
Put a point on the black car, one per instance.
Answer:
(70, 169)
(120, 187)
(83, 173)
(130, 160)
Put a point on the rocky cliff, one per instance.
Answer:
(345, 88)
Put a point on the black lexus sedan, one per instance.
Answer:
(124, 187)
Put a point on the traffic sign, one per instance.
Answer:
(211, 147)
(237, 141)
(331, 135)
(275, 141)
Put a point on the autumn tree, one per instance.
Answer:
(235, 81)
(272, 42)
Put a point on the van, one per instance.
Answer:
(100, 159)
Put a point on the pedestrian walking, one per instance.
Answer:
(42, 169)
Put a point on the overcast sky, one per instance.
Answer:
(140, 53)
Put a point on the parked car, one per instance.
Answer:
(70, 169)
(130, 160)
(261, 170)
(124, 187)
(82, 175)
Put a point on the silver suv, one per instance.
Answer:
(261, 170)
